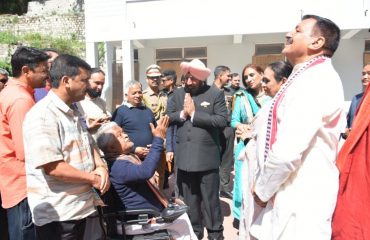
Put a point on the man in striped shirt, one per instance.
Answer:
(62, 161)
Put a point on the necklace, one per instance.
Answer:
(272, 117)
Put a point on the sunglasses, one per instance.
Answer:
(248, 75)
(4, 80)
(166, 79)
(154, 78)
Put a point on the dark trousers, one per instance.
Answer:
(227, 159)
(200, 192)
(20, 224)
(3, 223)
(66, 230)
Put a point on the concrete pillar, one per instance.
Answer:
(92, 54)
(107, 93)
(127, 62)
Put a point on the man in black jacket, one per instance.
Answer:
(200, 114)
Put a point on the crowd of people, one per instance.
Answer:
(267, 139)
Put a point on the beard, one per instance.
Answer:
(194, 90)
(93, 93)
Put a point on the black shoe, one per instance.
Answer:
(226, 194)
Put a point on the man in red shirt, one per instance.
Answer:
(30, 70)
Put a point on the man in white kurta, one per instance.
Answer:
(299, 181)
(93, 107)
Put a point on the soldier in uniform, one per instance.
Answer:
(156, 101)
(153, 98)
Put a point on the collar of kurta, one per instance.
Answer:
(272, 118)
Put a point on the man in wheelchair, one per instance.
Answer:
(130, 180)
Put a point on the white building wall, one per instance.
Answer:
(105, 20)
(348, 61)
(212, 23)
(174, 18)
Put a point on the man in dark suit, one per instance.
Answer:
(199, 113)
(222, 78)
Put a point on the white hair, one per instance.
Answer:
(131, 83)
(4, 72)
(103, 136)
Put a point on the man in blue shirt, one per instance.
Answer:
(134, 117)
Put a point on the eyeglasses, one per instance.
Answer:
(154, 78)
(4, 80)
(248, 75)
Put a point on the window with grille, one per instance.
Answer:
(195, 52)
(181, 53)
(169, 53)
(263, 49)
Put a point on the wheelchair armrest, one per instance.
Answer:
(141, 216)
(173, 211)
(135, 216)
(148, 211)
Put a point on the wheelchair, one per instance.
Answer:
(114, 217)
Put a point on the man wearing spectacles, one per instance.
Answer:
(4, 76)
(169, 78)
(153, 98)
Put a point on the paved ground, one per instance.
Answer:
(230, 232)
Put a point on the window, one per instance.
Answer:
(181, 53)
(367, 52)
(267, 53)
(170, 58)
(263, 49)
(169, 53)
(195, 52)
(367, 45)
